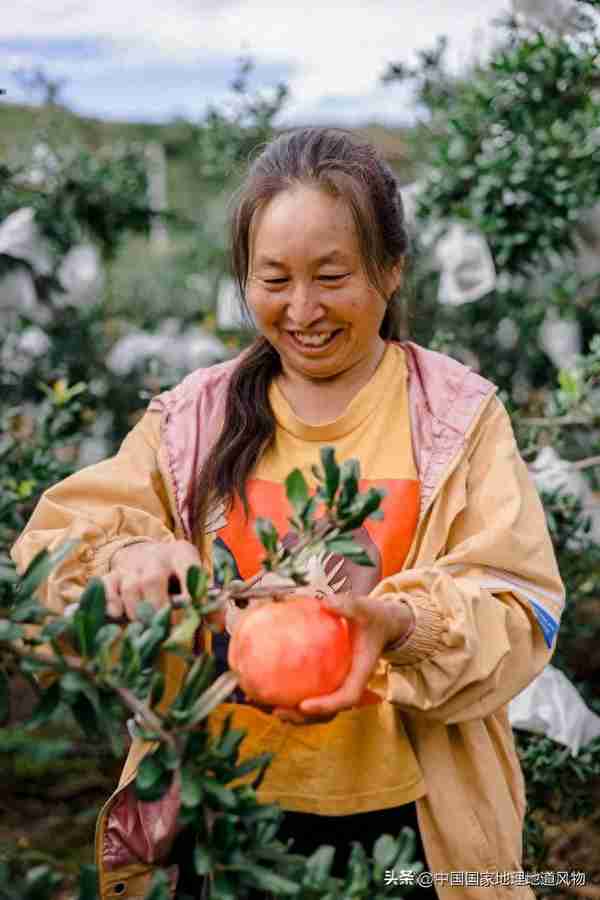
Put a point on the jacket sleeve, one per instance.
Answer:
(487, 611)
(106, 506)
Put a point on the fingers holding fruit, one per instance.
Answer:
(297, 718)
(373, 624)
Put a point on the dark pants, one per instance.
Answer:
(311, 831)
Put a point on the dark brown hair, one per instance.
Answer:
(336, 161)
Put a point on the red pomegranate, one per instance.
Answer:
(287, 651)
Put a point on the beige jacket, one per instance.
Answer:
(481, 578)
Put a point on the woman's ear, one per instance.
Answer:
(395, 276)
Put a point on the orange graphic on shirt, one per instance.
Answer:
(386, 542)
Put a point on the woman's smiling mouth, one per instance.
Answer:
(314, 341)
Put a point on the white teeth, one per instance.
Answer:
(315, 340)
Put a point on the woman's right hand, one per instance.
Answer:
(142, 572)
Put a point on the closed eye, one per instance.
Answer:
(321, 278)
(332, 277)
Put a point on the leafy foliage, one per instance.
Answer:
(104, 674)
(511, 149)
(30, 461)
(87, 196)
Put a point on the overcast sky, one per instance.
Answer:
(133, 60)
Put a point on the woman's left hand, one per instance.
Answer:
(374, 623)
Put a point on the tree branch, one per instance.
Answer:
(139, 708)
(54, 663)
(558, 421)
(239, 590)
(587, 463)
(132, 703)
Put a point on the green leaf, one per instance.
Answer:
(407, 841)
(84, 699)
(107, 635)
(318, 868)
(41, 565)
(223, 563)
(37, 750)
(88, 882)
(202, 859)
(307, 513)
(350, 549)
(183, 634)
(358, 872)
(160, 886)
(74, 683)
(267, 880)
(369, 503)
(29, 610)
(266, 533)
(157, 688)
(33, 665)
(153, 779)
(90, 617)
(4, 697)
(385, 851)
(54, 629)
(345, 546)
(41, 882)
(46, 708)
(149, 772)
(162, 620)
(196, 582)
(199, 677)
(296, 490)
(9, 631)
(332, 474)
(349, 476)
(223, 888)
(213, 696)
(249, 765)
(144, 612)
(222, 796)
(86, 716)
(569, 381)
(229, 744)
(168, 756)
(191, 789)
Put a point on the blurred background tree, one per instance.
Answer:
(510, 151)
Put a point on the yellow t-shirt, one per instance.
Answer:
(361, 760)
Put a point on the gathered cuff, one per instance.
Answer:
(424, 638)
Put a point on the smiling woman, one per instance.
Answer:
(312, 298)
(318, 244)
(459, 607)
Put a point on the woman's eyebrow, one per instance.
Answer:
(326, 257)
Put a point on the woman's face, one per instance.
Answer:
(306, 275)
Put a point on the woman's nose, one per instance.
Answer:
(304, 305)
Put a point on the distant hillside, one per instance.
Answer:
(22, 126)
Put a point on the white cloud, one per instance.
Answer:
(339, 48)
